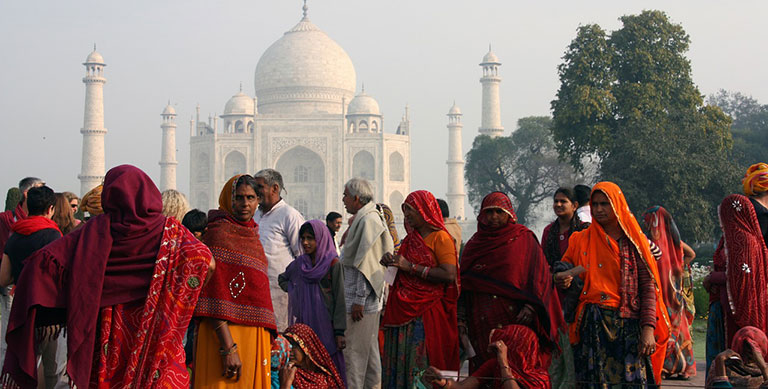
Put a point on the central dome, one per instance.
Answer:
(304, 72)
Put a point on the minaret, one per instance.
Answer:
(93, 165)
(491, 121)
(456, 195)
(168, 151)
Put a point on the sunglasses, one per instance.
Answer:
(74, 206)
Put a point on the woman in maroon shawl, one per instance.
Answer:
(746, 266)
(124, 285)
(506, 280)
(234, 340)
(420, 316)
(311, 367)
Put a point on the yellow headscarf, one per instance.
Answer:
(227, 195)
(91, 202)
(756, 179)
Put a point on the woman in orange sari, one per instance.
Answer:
(420, 326)
(234, 339)
(621, 320)
(673, 266)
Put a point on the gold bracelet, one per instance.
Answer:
(229, 351)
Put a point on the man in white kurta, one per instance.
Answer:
(279, 225)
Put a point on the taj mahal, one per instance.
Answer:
(306, 121)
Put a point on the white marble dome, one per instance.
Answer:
(94, 58)
(169, 110)
(455, 110)
(304, 72)
(490, 58)
(363, 104)
(239, 104)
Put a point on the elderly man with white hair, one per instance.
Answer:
(367, 240)
(279, 225)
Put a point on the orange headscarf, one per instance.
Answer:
(756, 179)
(593, 247)
(227, 195)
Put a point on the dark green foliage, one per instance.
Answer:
(523, 165)
(12, 198)
(628, 98)
(749, 129)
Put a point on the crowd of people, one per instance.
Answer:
(147, 293)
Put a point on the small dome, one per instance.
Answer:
(490, 57)
(455, 110)
(363, 104)
(169, 110)
(95, 58)
(239, 104)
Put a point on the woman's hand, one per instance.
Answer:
(563, 281)
(231, 366)
(647, 343)
(526, 315)
(707, 284)
(433, 376)
(287, 375)
(501, 351)
(341, 342)
(386, 259)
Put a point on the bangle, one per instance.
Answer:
(220, 325)
(504, 380)
(229, 351)
(425, 272)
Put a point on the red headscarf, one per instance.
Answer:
(509, 262)
(746, 262)
(521, 344)
(664, 234)
(33, 224)
(411, 297)
(752, 336)
(110, 260)
(328, 377)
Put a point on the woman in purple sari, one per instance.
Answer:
(315, 286)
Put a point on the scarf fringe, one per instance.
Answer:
(6, 382)
(49, 333)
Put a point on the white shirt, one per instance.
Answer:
(279, 234)
(584, 214)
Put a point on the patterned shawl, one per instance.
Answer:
(389, 219)
(746, 260)
(509, 262)
(411, 296)
(327, 377)
(521, 343)
(238, 291)
(665, 235)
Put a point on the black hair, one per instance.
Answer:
(444, 208)
(39, 200)
(568, 193)
(582, 194)
(246, 179)
(195, 220)
(332, 216)
(306, 227)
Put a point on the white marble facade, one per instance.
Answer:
(307, 123)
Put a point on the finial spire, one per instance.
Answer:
(241, 86)
(305, 8)
(363, 87)
(94, 46)
(489, 47)
(169, 101)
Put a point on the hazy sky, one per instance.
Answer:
(423, 53)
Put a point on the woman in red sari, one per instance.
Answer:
(311, 366)
(506, 280)
(672, 272)
(746, 263)
(420, 317)
(124, 286)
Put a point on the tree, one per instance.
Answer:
(628, 98)
(749, 129)
(12, 198)
(524, 165)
